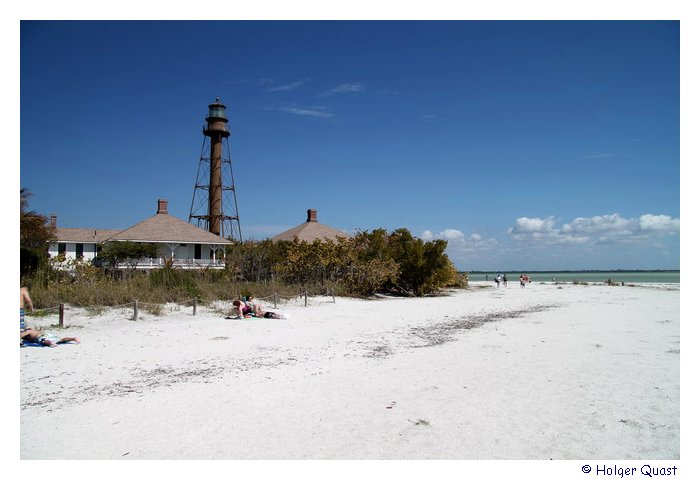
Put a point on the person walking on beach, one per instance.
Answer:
(505, 280)
(522, 280)
(497, 280)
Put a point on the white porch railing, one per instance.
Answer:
(146, 263)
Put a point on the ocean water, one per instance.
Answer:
(590, 277)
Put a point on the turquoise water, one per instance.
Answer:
(592, 277)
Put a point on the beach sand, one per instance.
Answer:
(545, 372)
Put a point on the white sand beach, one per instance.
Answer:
(545, 372)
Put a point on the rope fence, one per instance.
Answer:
(61, 309)
(303, 294)
(276, 298)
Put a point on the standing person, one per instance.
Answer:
(505, 279)
(522, 280)
(497, 280)
(24, 299)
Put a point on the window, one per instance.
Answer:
(78, 250)
(61, 248)
(197, 251)
(217, 112)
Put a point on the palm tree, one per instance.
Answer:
(34, 233)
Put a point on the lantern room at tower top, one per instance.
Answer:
(216, 120)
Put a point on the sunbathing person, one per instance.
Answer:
(242, 309)
(257, 309)
(275, 315)
(49, 339)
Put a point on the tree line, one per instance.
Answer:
(365, 264)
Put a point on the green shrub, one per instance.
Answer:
(365, 278)
(424, 266)
(177, 282)
(114, 253)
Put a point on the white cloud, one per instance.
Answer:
(306, 111)
(599, 229)
(662, 223)
(530, 226)
(287, 87)
(458, 242)
(427, 236)
(344, 88)
(452, 234)
(601, 224)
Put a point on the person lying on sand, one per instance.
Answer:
(43, 338)
(275, 315)
(243, 310)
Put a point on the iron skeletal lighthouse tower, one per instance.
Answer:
(214, 204)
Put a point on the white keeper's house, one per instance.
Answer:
(181, 243)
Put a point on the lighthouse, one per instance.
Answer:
(214, 204)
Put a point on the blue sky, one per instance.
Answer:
(527, 145)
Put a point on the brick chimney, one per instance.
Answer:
(162, 206)
(52, 221)
(311, 215)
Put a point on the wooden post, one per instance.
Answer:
(333, 293)
(136, 310)
(306, 300)
(60, 315)
(194, 308)
(274, 298)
